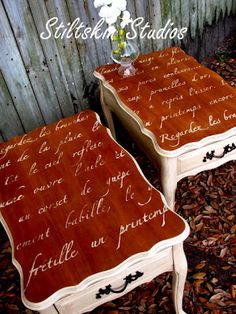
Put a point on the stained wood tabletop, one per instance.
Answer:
(74, 204)
(177, 99)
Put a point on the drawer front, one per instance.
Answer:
(207, 157)
(117, 285)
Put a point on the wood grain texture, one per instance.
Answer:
(176, 100)
(9, 122)
(54, 78)
(15, 76)
(33, 57)
(70, 197)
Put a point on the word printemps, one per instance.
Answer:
(78, 29)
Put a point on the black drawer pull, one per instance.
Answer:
(227, 149)
(128, 279)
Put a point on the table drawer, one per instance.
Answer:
(99, 293)
(208, 157)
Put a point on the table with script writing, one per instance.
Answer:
(182, 114)
(76, 206)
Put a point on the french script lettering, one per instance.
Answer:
(44, 132)
(23, 156)
(54, 162)
(88, 145)
(174, 84)
(181, 112)
(5, 165)
(193, 128)
(139, 222)
(40, 237)
(178, 71)
(170, 101)
(99, 242)
(98, 208)
(221, 99)
(13, 200)
(96, 126)
(86, 189)
(24, 140)
(24, 218)
(67, 253)
(11, 179)
(53, 205)
(123, 89)
(81, 117)
(199, 77)
(134, 98)
(145, 82)
(68, 138)
(174, 61)
(147, 61)
(119, 178)
(33, 169)
(92, 166)
(44, 148)
(193, 91)
(48, 185)
(229, 116)
(213, 121)
(120, 154)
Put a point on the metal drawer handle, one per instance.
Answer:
(128, 279)
(227, 149)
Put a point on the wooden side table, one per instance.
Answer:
(85, 225)
(182, 114)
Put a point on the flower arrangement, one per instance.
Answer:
(116, 15)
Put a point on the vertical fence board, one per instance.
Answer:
(142, 10)
(31, 51)
(166, 15)
(53, 59)
(156, 21)
(193, 17)
(68, 53)
(16, 78)
(103, 46)
(9, 123)
(201, 16)
(176, 18)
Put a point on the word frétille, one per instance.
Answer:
(138, 28)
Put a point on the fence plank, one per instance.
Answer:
(31, 51)
(193, 17)
(16, 78)
(156, 21)
(201, 16)
(142, 10)
(53, 58)
(176, 18)
(68, 54)
(87, 48)
(9, 123)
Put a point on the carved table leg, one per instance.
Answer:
(179, 277)
(169, 179)
(107, 112)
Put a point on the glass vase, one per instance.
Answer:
(126, 56)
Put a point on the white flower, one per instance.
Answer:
(99, 3)
(120, 4)
(109, 13)
(111, 30)
(125, 19)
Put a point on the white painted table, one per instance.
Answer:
(181, 114)
(85, 225)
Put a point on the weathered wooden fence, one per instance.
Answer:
(44, 80)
